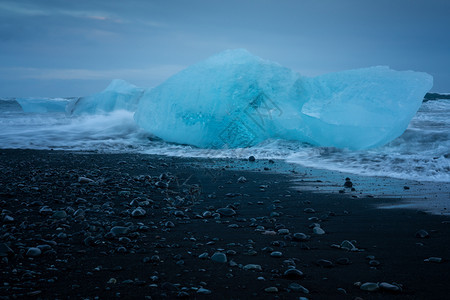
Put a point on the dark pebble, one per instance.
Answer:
(293, 274)
(226, 211)
(300, 237)
(422, 234)
(324, 263)
(343, 261)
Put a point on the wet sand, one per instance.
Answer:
(134, 226)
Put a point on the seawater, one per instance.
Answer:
(421, 153)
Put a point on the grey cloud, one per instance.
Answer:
(60, 41)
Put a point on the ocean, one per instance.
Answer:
(422, 153)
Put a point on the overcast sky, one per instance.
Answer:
(75, 48)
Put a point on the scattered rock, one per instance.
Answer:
(84, 180)
(8, 219)
(119, 230)
(283, 231)
(324, 263)
(276, 254)
(271, 289)
(45, 210)
(347, 245)
(251, 267)
(169, 224)
(226, 211)
(242, 179)
(374, 263)
(293, 274)
(433, 259)
(300, 237)
(60, 214)
(343, 261)
(112, 281)
(369, 286)
(219, 257)
(203, 291)
(390, 287)
(138, 212)
(348, 183)
(34, 293)
(179, 214)
(319, 231)
(5, 250)
(298, 288)
(34, 252)
(422, 234)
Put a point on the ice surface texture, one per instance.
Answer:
(235, 99)
(119, 95)
(42, 105)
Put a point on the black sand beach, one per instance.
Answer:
(72, 229)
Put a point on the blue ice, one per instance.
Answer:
(235, 99)
(42, 105)
(119, 95)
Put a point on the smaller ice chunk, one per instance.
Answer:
(9, 105)
(43, 105)
(363, 108)
(119, 95)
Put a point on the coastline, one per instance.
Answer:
(426, 196)
(163, 249)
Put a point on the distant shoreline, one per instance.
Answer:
(436, 96)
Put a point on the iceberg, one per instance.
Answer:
(43, 105)
(119, 95)
(235, 99)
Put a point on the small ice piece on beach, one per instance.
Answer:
(119, 95)
(235, 99)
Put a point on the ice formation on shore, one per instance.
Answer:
(119, 95)
(42, 105)
(235, 99)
